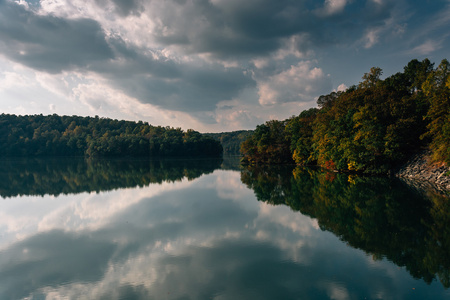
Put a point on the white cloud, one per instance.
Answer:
(60, 85)
(185, 58)
(22, 2)
(105, 100)
(260, 62)
(371, 37)
(426, 48)
(300, 83)
(342, 88)
(298, 46)
(336, 291)
(332, 7)
(9, 80)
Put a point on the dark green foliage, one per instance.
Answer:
(437, 90)
(327, 101)
(372, 78)
(370, 129)
(48, 176)
(269, 143)
(231, 141)
(381, 216)
(300, 131)
(373, 127)
(54, 135)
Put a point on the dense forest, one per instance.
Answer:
(231, 141)
(53, 135)
(361, 210)
(371, 127)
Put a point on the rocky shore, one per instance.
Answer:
(420, 172)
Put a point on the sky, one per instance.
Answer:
(209, 65)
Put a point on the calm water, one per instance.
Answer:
(75, 229)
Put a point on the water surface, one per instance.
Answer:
(76, 229)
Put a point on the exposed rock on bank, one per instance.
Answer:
(420, 172)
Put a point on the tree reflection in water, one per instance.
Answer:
(40, 177)
(382, 216)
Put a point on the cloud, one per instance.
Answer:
(342, 87)
(193, 89)
(300, 83)
(9, 80)
(386, 22)
(230, 29)
(188, 57)
(332, 7)
(426, 48)
(49, 43)
(54, 44)
(432, 34)
(127, 7)
(371, 37)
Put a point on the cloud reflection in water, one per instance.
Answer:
(202, 239)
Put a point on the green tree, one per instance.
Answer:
(299, 132)
(54, 135)
(268, 144)
(372, 78)
(437, 90)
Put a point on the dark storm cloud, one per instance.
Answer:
(193, 90)
(259, 27)
(132, 61)
(235, 30)
(127, 7)
(161, 81)
(49, 43)
(124, 8)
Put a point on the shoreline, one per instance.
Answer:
(420, 172)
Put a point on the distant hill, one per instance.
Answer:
(231, 141)
(53, 135)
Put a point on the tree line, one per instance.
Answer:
(53, 135)
(371, 127)
(231, 141)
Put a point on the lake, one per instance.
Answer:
(207, 229)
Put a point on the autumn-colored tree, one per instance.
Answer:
(437, 90)
(268, 144)
(372, 127)
(299, 131)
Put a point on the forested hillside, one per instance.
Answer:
(231, 141)
(38, 135)
(371, 127)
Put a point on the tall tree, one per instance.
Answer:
(437, 90)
